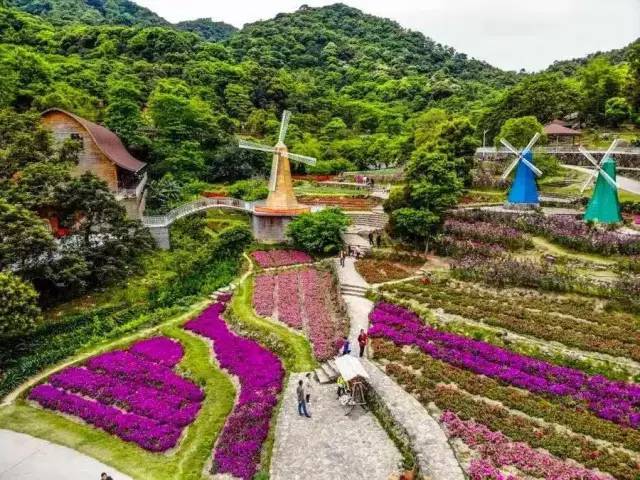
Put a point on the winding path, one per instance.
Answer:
(429, 442)
(23, 457)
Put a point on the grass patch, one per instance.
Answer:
(185, 463)
(293, 349)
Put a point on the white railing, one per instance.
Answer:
(560, 149)
(196, 206)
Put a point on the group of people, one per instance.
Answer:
(375, 239)
(350, 251)
(363, 339)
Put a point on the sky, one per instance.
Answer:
(510, 34)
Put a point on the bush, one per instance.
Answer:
(249, 190)
(325, 167)
(319, 232)
(18, 305)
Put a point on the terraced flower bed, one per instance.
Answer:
(260, 374)
(513, 398)
(133, 394)
(304, 299)
(378, 271)
(489, 233)
(280, 258)
(574, 321)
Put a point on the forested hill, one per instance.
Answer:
(90, 12)
(338, 34)
(570, 67)
(207, 29)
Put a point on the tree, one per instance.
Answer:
(600, 82)
(414, 225)
(24, 238)
(519, 131)
(19, 311)
(617, 111)
(163, 194)
(319, 232)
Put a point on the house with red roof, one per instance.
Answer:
(102, 154)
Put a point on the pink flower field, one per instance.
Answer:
(133, 394)
(303, 300)
(280, 258)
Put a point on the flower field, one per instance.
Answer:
(506, 237)
(304, 300)
(378, 271)
(260, 374)
(503, 405)
(569, 320)
(133, 394)
(280, 258)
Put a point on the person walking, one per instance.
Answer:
(342, 257)
(370, 238)
(379, 240)
(346, 347)
(302, 404)
(362, 341)
(308, 386)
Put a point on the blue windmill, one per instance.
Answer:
(524, 190)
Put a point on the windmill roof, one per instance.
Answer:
(106, 141)
(558, 129)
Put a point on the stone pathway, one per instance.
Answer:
(330, 444)
(429, 442)
(23, 457)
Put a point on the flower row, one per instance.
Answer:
(302, 299)
(133, 394)
(499, 451)
(260, 375)
(280, 258)
(618, 402)
(485, 232)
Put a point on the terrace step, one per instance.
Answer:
(354, 290)
(330, 371)
(321, 376)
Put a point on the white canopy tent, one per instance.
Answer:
(350, 367)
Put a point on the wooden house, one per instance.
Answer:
(102, 154)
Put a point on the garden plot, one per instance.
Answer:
(304, 299)
(577, 322)
(502, 404)
(133, 394)
(280, 258)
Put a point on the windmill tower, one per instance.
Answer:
(281, 198)
(524, 191)
(269, 221)
(604, 206)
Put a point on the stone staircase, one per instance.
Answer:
(327, 372)
(353, 290)
(375, 219)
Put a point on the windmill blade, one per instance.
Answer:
(510, 167)
(588, 156)
(255, 146)
(273, 178)
(586, 184)
(284, 125)
(531, 166)
(612, 147)
(301, 158)
(504, 142)
(608, 178)
(532, 142)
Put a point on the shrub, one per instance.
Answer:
(18, 305)
(319, 232)
(249, 190)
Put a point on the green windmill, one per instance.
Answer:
(604, 206)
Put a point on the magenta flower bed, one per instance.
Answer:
(280, 258)
(289, 300)
(263, 299)
(133, 394)
(302, 302)
(497, 450)
(617, 402)
(260, 374)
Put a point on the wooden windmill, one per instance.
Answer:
(524, 190)
(281, 198)
(604, 206)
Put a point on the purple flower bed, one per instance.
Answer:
(490, 233)
(260, 374)
(263, 295)
(617, 402)
(133, 394)
(280, 258)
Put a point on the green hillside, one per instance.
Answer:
(207, 28)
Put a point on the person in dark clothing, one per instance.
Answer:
(342, 258)
(362, 341)
(379, 240)
(370, 238)
(346, 348)
(104, 476)
(302, 403)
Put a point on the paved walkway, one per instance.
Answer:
(330, 444)
(429, 442)
(23, 457)
(625, 183)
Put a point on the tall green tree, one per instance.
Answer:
(19, 311)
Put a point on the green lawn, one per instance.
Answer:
(185, 463)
